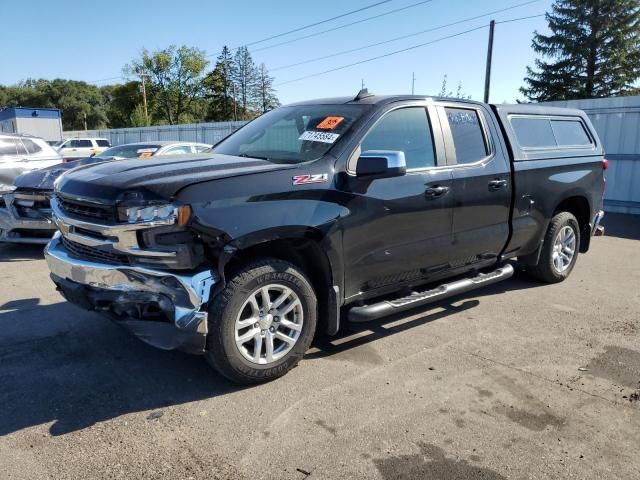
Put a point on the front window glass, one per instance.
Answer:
(406, 130)
(32, 147)
(293, 134)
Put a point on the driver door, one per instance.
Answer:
(400, 228)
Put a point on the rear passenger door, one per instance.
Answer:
(481, 184)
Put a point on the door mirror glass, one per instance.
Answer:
(381, 164)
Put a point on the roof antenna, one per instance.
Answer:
(364, 93)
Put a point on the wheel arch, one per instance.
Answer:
(308, 249)
(579, 207)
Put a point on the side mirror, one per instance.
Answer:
(381, 164)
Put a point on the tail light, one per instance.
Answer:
(605, 164)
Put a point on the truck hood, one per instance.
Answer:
(157, 178)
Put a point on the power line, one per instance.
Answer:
(342, 26)
(521, 18)
(318, 23)
(383, 56)
(344, 52)
(313, 34)
(389, 54)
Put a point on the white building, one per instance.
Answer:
(40, 122)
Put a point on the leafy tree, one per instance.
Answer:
(593, 50)
(78, 101)
(176, 81)
(220, 88)
(122, 102)
(445, 92)
(266, 93)
(245, 77)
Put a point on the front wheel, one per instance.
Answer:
(560, 249)
(262, 323)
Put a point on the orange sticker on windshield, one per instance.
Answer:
(330, 123)
(145, 154)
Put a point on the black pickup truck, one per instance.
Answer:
(324, 212)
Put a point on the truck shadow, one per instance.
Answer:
(72, 368)
(353, 335)
(16, 252)
(622, 226)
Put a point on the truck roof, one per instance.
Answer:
(371, 99)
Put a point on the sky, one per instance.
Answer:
(92, 41)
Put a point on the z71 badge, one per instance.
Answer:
(306, 179)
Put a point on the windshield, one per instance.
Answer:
(130, 151)
(293, 134)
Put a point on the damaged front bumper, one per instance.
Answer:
(163, 309)
(23, 221)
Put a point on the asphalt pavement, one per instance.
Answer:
(519, 380)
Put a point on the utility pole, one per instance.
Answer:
(144, 96)
(362, 87)
(413, 83)
(84, 116)
(487, 77)
(235, 104)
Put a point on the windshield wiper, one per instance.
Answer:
(244, 155)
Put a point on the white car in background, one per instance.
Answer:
(74, 148)
(151, 149)
(22, 153)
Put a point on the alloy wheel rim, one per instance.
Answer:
(564, 249)
(269, 324)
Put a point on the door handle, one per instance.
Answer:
(436, 191)
(497, 184)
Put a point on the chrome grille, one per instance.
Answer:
(87, 211)
(84, 252)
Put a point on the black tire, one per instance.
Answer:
(222, 352)
(545, 270)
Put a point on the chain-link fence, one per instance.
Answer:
(209, 133)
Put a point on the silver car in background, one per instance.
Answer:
(20, 154)
(26, 211)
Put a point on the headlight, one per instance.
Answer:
(149, 214)
(158, 212)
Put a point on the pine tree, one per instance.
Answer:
(219, 84)
(593, 50)
(246, 82)
(267, 94)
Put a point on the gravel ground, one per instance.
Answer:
(519, 380)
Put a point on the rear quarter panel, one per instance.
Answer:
(545, 177)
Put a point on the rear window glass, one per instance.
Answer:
(84, 143)
(468, 137)
(102, 143)
(8, 146)
(570, 132)
(534, 132)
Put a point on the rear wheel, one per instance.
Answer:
(560, 249)
(262, 323)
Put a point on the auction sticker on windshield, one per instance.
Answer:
(330, 123)
(323, 137)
